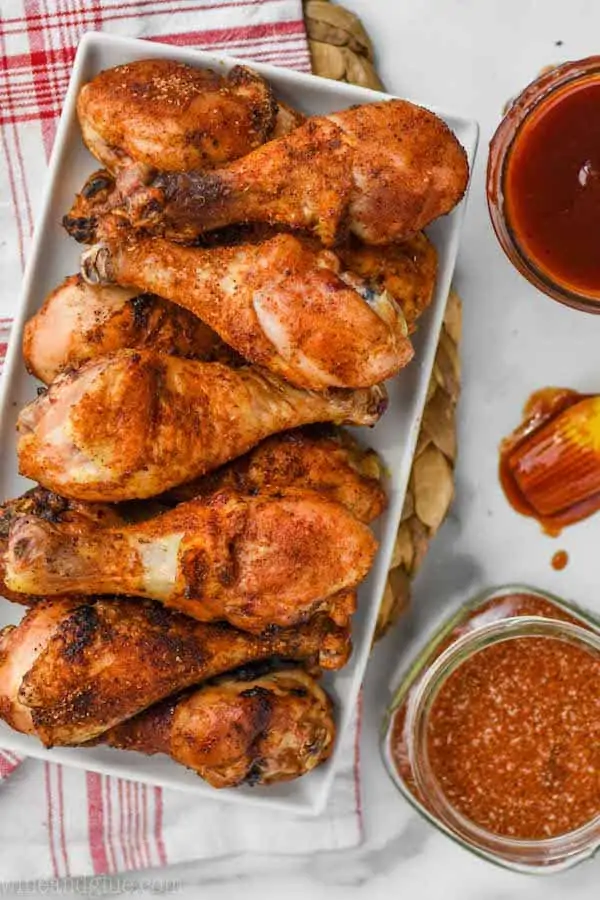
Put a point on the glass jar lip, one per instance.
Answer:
(579, 841)
(501, 144)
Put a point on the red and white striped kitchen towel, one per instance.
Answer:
(57, 821)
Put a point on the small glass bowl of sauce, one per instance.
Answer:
(543, 183)
(493, 733)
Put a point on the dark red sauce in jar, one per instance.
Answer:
(514, 732)
(551, 187)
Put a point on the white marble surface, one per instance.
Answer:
(469, 56)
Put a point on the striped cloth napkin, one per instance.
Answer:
(57, 821)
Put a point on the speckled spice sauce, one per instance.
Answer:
(513, 735)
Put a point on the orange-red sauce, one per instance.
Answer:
(513, 737)
(540, 410)
(552, 187)
(514, 733)
(560, 560)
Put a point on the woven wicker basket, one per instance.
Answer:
(341, 49)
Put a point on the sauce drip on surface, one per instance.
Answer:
(550, 465)
(552, 187)
(560, 560)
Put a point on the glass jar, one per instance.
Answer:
(537, 97)
(504, 614)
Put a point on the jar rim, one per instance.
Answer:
(533, 95)
(578, 841)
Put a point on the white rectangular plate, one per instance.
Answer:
(54, 256)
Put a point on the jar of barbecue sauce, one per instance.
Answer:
(493, 733)
(543, 183)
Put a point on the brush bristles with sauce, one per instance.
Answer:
(557, 466)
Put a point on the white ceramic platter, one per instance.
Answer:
(54, 255)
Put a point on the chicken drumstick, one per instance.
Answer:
(174, 116)
(76, 518)
(260, 562)
(259, 731)
(325, 459)
(281, 303)
(71, 670)
(137, 423)
(383, 170)
(80, 321)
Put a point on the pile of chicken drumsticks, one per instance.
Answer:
(191, 554)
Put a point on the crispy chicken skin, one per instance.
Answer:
(71, 670)
(174, 116)
(96, 198)
(281, 303)
(324, 459)
(257, 562)
(406, 270)
(39, 503)
(287, 120)
(383, 170)
(79, 322)
(239, 731)
(134, 424)
(20, 646)
(320, 457)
